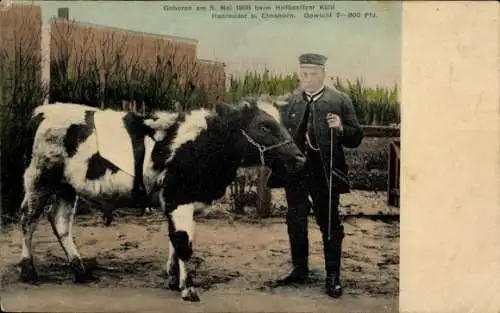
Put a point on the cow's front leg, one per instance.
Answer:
(181, 236)
(107, 214)
(172, 268)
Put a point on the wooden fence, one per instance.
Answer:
(380, 131)
(393, 159)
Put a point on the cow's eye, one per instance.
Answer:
(264, 129)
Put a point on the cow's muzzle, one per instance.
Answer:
(295, 163)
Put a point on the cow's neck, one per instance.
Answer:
(238, 143)
(207, 166)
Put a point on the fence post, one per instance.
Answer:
(263, 193)
(393, 177)
(45, 57)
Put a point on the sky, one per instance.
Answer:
(365, 48)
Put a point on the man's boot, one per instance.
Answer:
(333, 255)
(299, 247)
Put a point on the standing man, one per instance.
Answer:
(310, 115)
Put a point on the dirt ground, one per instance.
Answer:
(233, 259)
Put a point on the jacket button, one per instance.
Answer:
(289, 129)
(293, 114)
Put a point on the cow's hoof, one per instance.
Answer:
(29, 273)
(173, 282)
(190, 294)
(80, 274)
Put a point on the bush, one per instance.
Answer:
(374, 106)
(368, 164)
(113, 70)
(21, 90)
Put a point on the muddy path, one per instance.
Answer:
(85, 299)
(233, 259)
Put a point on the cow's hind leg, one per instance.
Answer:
(32, 207)
(2, 309)
(61, 218)
(181, 233)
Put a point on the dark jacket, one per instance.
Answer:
(332, 101)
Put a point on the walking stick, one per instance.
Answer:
(330, 183)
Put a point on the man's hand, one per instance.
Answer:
(334, 121)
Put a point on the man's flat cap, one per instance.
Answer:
(312, 59)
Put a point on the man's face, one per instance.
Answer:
(311, 78)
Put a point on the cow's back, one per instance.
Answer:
(62, 127)
(61, 114)
(67, 139)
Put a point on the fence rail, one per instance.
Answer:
(381, 131)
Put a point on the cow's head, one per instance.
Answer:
(260, 137)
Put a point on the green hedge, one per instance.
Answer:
(374, 106)
(155, 85)
(21, 90)
(378, 106)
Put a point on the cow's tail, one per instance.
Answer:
(29, 136)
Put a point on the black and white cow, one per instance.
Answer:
(191, 160)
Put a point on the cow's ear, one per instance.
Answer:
(224, 110)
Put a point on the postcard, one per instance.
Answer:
(231, 155)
